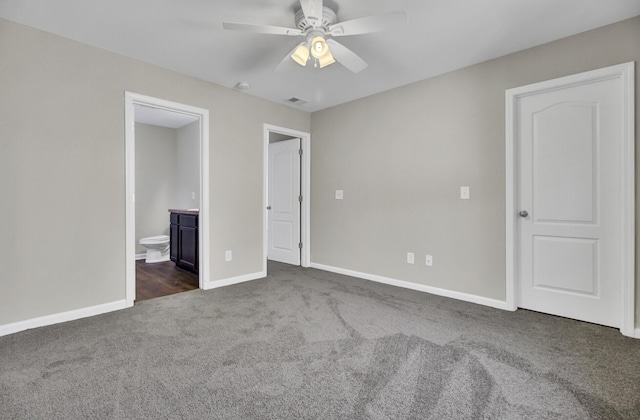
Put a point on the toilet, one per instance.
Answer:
(157, 248)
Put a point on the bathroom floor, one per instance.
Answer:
(161, 279)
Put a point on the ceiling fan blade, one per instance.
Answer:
(368, 24)
(287, 61)
(346, 57)
(312, 10)
(261, 29)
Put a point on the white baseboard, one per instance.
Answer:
(141, 256)
(480, 300)
(107, 307)
(122, 304)
(233, 280)
(61, 317)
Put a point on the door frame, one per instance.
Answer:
(132, 99)
(624, 72)
(305, 190)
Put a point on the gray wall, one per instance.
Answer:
(188, 167)
(401, 156)
(62, 170)
(276, 137)
(156, 180)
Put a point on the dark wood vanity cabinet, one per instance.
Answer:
(183, 233)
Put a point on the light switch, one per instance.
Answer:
(193, 195)
(339, 194)
(464, 193)
(228, 256)
(410, 257)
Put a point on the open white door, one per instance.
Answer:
(284, 202)
(572, 191)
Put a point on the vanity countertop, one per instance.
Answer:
(185, 211)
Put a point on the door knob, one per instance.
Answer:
(523, 213)
(268, 207)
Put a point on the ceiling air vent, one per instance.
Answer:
(296, 101)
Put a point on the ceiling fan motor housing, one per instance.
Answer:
(329, 18)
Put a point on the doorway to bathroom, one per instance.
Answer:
(166, 169)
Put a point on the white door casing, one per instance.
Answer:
(284, 202)
(202, 114)
(570, 167)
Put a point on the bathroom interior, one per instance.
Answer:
(167, 178)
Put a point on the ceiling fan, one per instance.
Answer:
(317, 23)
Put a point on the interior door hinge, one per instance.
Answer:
(300, 198)
(300, 152)
(300, 245)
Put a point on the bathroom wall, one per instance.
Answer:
(188, 167)
(156, 180)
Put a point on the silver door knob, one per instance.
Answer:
(268, 207)
(523, 213)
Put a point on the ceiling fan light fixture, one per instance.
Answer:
(319, 47)
(301, 54)
(320, 51)
(315, 22)
(326, 59)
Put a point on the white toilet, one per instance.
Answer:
(157, 248)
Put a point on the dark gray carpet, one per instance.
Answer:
(307, 344)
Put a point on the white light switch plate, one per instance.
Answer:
(409, 257)
(228, 256)
(339, 194)
(464, 193)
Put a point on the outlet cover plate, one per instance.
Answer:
(429, 260)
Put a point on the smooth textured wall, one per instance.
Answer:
(156, 180)
(188, 167)
(62, 170)
(401, 157)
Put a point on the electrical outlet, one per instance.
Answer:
(228, 256)
(193, 195)
(464, 193)
(409, 257)
(429, 260)
(339, 194)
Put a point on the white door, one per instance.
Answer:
(284, 202)
(570, 158)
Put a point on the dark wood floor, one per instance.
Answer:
(161, 279)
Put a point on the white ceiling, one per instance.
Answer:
(440, 36)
